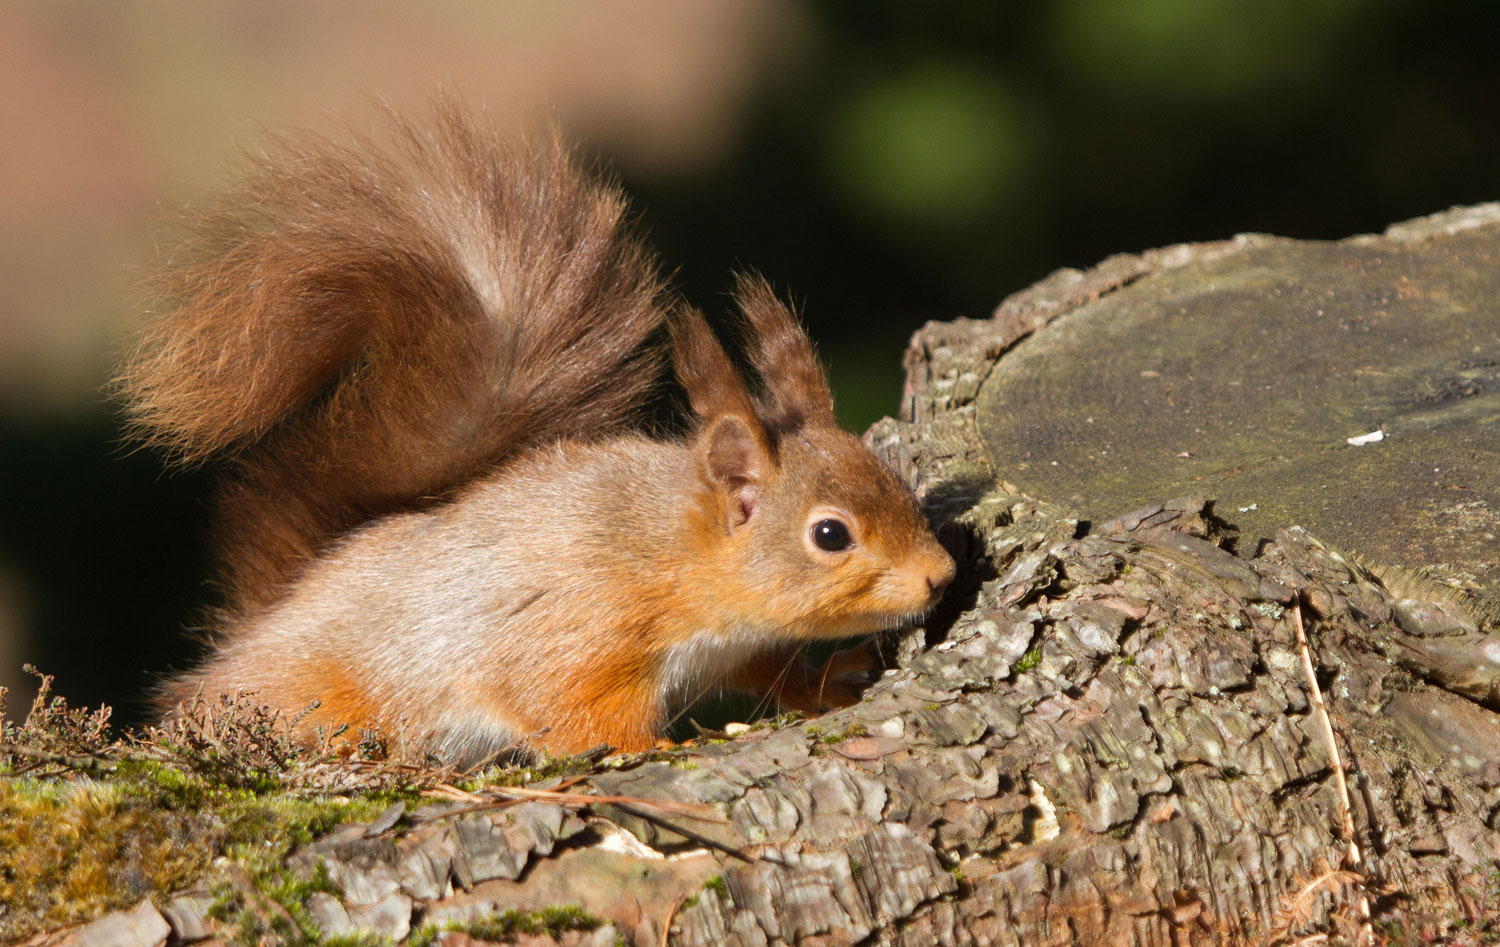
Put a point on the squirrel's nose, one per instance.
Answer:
(939, 574)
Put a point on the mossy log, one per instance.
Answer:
(1109, 734)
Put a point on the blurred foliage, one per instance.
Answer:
(924, 160)
(904, 162)
(932, 148)
(1211, 53)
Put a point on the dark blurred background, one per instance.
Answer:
(883, 163)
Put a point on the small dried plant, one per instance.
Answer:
(224, 741)
(1299, 906)
(55, 736)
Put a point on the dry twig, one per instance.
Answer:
(666, 927)
(1346, 811)
(630, 805)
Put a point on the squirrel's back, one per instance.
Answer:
(362, 330)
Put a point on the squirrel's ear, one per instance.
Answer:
(733, 448)
(735, 462)
(797, 390)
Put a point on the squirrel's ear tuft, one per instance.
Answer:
(796, 387)
(736, 463)
(713, 386)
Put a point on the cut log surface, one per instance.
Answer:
(1245, 371)
(1109, 735)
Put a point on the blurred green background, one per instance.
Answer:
(882, 163)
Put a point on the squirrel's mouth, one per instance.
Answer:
(907, 604)
(898, 616)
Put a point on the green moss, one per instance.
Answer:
(291, 888)
(547, 921)
(839, 736)
(215, 802)
(358, 940)
(1028, 661)
(779, 721)
(274, 903)
(221, 907)
(522, 774)
(290, 893)
(72, 851)
(718, 886)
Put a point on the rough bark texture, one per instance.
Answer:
(1107, 738)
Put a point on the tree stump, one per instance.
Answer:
(1110, 733)
(1113, 740)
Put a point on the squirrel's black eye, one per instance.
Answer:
(831, 535)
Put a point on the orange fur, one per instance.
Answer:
(423, 365)
(343, 701)
(615, 700)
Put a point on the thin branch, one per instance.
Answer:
(666, 927)
(78, 761)
(688, 834)
(630, 805)
(1346, 811)
(557, 796)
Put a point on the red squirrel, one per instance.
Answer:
(426, 364)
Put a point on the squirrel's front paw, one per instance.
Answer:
(796, 685)
(862, 660)
(838, 682)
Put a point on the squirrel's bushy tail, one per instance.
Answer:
(364, 329)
